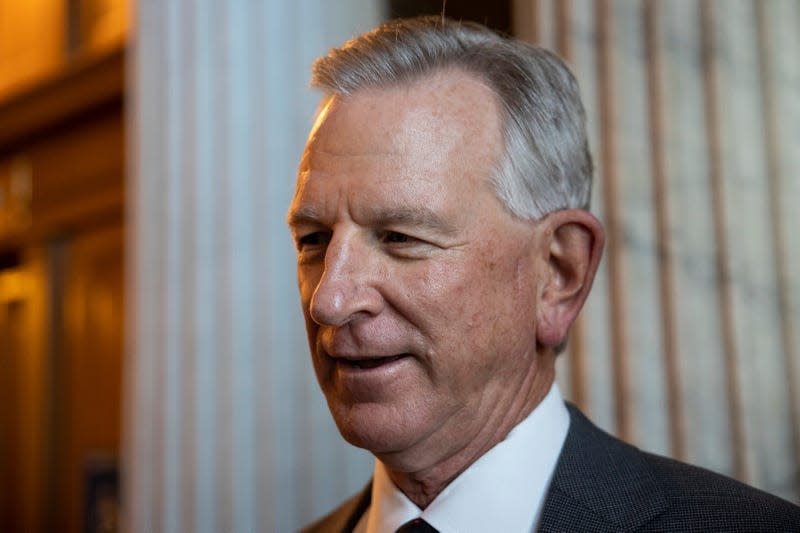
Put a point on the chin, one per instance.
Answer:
(374, 428)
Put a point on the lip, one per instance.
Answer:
(387, 381)
(367, 363)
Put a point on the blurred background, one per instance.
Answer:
(154, 374)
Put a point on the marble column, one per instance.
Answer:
(225, 427)
(693, 118)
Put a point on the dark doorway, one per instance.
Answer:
(496, 14)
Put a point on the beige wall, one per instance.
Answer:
(690, 343)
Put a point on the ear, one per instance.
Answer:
(573, 246)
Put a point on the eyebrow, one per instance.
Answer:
(302, 215)
(416, 216)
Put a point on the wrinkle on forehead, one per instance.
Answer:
(437, 134)
(451, 99)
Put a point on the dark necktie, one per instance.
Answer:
(418, 525)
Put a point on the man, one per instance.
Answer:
(444, 249)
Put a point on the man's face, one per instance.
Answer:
(419, 289)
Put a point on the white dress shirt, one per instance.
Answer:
(504, 490)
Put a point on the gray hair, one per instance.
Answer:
(546, 165)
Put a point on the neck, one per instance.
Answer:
(422, 485)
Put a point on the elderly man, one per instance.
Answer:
(444, 248)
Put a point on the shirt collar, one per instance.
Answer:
(503, 490)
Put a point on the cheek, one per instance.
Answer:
(307, 281)
(468, 300)
(444, 289)
(493, 289)
(498, 307)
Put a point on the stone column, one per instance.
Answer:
(689, 340)
(225, 427)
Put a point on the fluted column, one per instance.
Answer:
(225, 427)
(689, 342)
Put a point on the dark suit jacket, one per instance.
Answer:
(603, 484)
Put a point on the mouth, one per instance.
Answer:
(367, 363)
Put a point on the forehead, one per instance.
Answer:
(437, 134)
(441, 112)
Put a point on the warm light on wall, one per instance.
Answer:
(14, 285)
(41, 38)
(15, 196)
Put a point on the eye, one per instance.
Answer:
(394, 237)
(317, 238)
(402, 245)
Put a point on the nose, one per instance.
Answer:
(347, 290)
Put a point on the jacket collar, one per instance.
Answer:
(600, 483)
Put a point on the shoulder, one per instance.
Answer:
(709, 500)
(343, 518)
(603, 480)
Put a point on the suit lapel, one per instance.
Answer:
(352, 511)
(600, 483)
(359, 506)
(344, 518)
